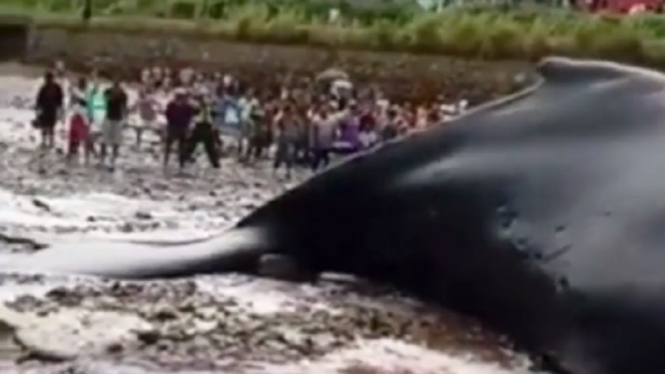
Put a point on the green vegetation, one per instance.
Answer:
(478, 32)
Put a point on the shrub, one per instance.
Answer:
(499, 32)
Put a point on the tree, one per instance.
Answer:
(86, 14)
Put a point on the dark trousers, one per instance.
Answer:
(302, 152)
(177, 136)
(202, 133)
(320, 158)
(254, 148)
(285, 154)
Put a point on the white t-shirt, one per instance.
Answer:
(341, 88)
(247, 105)
(367, 138)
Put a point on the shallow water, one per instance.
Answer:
(224, 323)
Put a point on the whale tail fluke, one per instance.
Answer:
(237, 250)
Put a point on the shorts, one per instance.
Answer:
(112, 132)
(47, 121)
(96, 124)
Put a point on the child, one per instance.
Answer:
(79, 128)
(147, 108)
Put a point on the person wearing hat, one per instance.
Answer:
(49, 107)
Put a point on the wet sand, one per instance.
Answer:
(226, 323)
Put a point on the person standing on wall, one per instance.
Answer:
(116, 117)
(49, 108)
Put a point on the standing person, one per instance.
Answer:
(179, 114)
(324, 133)
(253, 137)
(96, 110)
(147, 107)
(349, 130)
(49, 107)
(203, 132)
(248, 105)
(389, 130)
(264, 132)
(288, 131)
(79, 123)
(116, 116)
(368, 136)
(231, 116)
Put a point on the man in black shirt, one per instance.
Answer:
(49, 104)
(179, 115)
(116, 116)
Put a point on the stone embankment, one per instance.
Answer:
(401, 76)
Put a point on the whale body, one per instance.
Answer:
(542, 214)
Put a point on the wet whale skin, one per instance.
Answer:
(542, 214)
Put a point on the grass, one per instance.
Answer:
(472, 32)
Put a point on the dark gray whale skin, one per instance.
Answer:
(542, 214)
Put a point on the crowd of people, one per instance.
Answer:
(297, 125)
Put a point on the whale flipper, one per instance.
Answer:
(233, 251)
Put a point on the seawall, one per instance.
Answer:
(400, 75)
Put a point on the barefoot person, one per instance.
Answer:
(146, 107)
(203, 132)
(79, 123)
(288, 129)
(50, 99)
(116, 117)
(96, 110)
(179, 114)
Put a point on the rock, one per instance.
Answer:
(8, 344)
(114, 348)
(143, 215)
(165, 313)
(69, 333)
(148, 337)
(65, 297)
(41, 205)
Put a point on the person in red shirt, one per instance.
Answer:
(79, 127)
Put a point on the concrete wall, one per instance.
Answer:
(13, 38)
(401, 75)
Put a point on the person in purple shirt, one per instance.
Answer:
(349, 132)
(179, 115)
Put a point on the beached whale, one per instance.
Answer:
(541, 214)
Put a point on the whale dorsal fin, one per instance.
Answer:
(563, 70)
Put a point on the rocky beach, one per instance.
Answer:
(224, 323)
